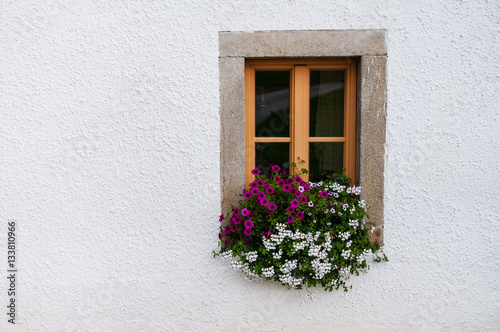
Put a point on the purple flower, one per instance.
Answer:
(276, 168)
(248, 224)
(289, 180)
(280, 182)
(290, 209)
(233, 228)
(266, 234)
(298, 194)
(237, 220)
(323, 194)
(270, 190)
(261, 195)
(220, 236)
(303, 199)
(300, 214)
(255, 171)
(297, 179)
(294, 203)
(227, 230)
(290, 219)
(247, 232)
(245, 212)
(272, 207)
(254, 191)
(264, 202)
(260, 182)
(226, 242)
(221, 217)
(245, 240)
(247, 195)
(287, 187)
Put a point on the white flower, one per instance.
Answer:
(311, 204)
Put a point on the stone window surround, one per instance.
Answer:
(367, 46)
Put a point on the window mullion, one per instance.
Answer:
(300, 119)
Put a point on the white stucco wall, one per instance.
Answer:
(109, 165)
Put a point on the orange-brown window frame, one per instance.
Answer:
(299, 111)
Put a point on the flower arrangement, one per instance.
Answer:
(298, 233)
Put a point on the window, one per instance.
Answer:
(301, 108)
(369, 50)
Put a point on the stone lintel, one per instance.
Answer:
(308, 43)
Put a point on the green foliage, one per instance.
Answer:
(298, 233)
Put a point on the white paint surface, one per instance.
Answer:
(109, 164)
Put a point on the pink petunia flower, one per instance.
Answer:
(276, 168)
(255, 171)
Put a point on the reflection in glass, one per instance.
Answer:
(325, 159)
(272, 103)
(326, 104)
(269, 154)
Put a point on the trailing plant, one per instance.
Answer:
(298, 233)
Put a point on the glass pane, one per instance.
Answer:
(326, 104)
(272, 103)
(325, 159)
(269, 154)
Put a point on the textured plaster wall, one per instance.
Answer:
(109, 164)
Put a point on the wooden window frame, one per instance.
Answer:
(299, 138)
